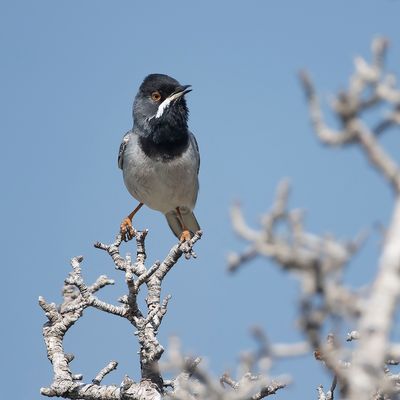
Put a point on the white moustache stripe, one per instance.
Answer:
(163, 106)
(166, 103)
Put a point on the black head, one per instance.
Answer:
(160, 104)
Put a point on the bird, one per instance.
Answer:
(159, 157)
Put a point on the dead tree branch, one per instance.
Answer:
(77, 296)
(319, 261)
(378, 309)
(194, 382)
(191, 382)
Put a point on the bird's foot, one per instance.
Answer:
(185, 236)
(186, 244)
(126, 229)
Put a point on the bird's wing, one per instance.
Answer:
(196, 146)
(122, 148)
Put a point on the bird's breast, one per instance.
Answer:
(161, 184)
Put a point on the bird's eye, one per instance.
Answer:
(156, 96)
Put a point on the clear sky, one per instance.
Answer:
(69, 72)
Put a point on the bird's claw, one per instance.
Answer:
(126, 229)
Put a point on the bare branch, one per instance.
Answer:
(378, 310)
(319, 261)
(268, 390)
(106, 370)
(353, 335)
(377, 318)
(349, 106)
(326, 135)
(78, 296)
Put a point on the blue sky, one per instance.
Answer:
(69, 72)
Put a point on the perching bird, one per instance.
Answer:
(160, 157)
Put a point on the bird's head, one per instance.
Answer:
(161, 101)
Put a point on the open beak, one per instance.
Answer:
(179, 92)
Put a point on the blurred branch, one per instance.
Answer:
(319, 261)
(369, 86)
(378, 309)
(195, 382)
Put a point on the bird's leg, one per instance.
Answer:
(126, 228)
(185, 235)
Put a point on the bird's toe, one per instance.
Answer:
(126, 229)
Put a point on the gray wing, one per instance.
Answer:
(196, 146)
(122, 148)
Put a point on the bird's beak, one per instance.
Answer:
(171, 99)
(179, 92)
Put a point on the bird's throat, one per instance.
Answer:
(164, 144)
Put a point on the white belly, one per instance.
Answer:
(162, 186)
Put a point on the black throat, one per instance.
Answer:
(164, 144)
(165, 137)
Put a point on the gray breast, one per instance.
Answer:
(161, 183)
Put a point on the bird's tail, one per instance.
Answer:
(189, 220)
